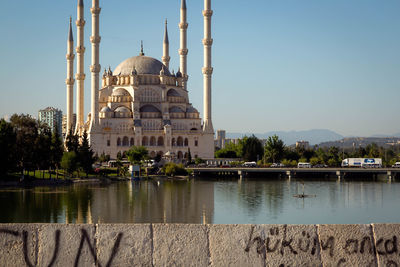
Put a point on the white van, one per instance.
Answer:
(250, 164)
(396, 165)
(304, 165)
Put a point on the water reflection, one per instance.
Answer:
(205, 201)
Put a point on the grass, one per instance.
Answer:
(46, 174)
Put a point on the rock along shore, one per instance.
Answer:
(199, 245)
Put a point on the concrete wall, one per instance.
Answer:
(199, 245)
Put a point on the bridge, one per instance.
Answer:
(340, 173)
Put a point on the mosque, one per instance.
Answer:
(141, 102)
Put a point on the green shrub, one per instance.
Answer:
(172, 169)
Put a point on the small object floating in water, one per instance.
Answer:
(304, 196)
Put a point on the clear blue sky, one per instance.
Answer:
(278, 64)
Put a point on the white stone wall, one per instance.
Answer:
(199, 245)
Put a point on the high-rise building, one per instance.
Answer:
(52, 117)
(220, 141)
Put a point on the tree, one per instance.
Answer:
(69, 162)
(231, 150)
(104, 158)
(225, 153)
(291, 154)
(252, 149)
(274, 149)
(171, 169)
(189, 156)
(85, 155)
(136, 154)
(8, 137)
(198, 161)
(72, 141)
(373, 151)
(56, 150)
(314, 161)
(26, 135)
(322, 156)
(42, 146)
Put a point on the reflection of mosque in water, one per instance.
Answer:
(150, 202)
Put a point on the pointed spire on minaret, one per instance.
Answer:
(166, 40)
(141, 49)
(166, 58)
(80, 2)
(70, 34)
(183, 4)
(70, 81)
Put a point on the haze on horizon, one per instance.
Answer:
(279, 65)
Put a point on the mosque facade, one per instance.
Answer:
(141, 102)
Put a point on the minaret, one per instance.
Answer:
(80, 74)
(95, 67)
(207, 69)
(166, 58)
(183, 51)
(70, 77)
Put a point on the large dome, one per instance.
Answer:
(142, 64)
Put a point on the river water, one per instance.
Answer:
(251, 201)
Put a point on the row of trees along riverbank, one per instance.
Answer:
(28, 148)
(275, 151)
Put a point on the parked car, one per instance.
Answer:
(320, 166)
(225, 166)
(277, 165)
(304, 165)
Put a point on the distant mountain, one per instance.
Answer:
(355, 142)
(315, 136)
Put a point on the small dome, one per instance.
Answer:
(142, 65)
(191, 110)
(123, 109)
(173, 92)
(105, 110)
(149, 108)
(176, 110)
(120, 92)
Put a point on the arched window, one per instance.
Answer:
(132, 142)
(119, 141)
(173, 143)
(153, 141)
(186, 142)
(152, 154)
(180, 141)
(145, 141)
(180, 155)
(125, 141)
(196, 143)
(160, 141)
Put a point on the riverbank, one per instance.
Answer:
(34, 182)
(15, 181)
